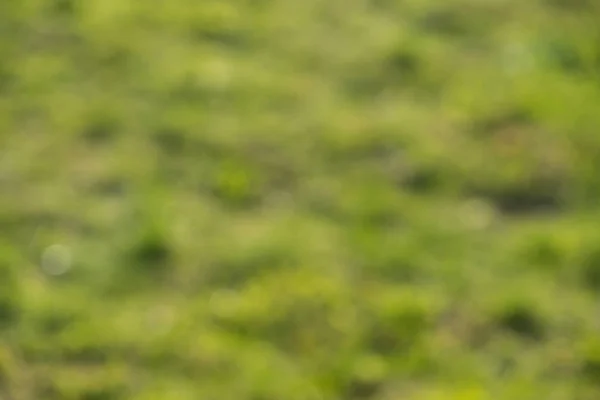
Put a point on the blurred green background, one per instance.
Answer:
(300, 199)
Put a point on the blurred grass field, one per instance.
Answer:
(285, 199)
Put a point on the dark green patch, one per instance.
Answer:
(171, 141)
(527, 196)
(10, 311)
(590, 270)
(151, 251)
(523, 321)
(446, 20)
(101, 130)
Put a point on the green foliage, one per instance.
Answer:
(278, 199)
